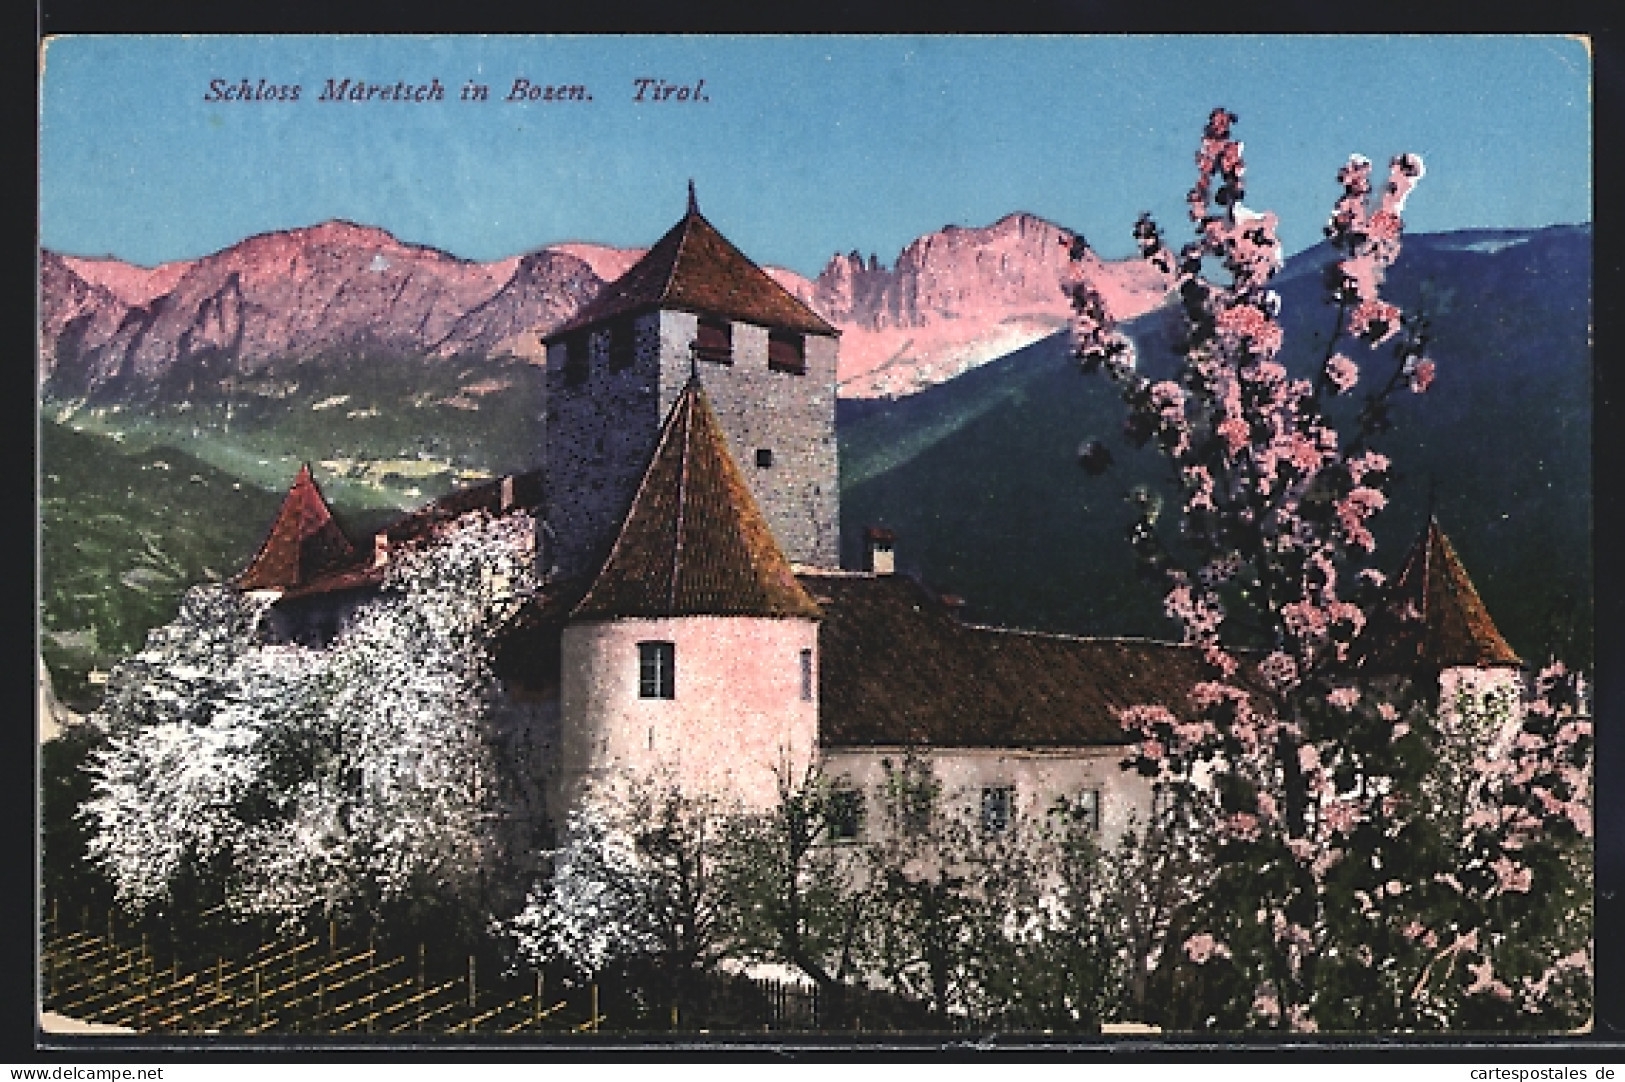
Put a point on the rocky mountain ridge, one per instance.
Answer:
(112, 331)
(962, 296)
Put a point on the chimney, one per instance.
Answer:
(882, 558)
(955, 605)
(507, 493)
(380, 549)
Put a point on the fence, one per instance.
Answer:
(102, 972)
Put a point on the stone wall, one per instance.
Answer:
(791, 416)
(600, 433)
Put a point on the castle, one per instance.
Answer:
(693, 624)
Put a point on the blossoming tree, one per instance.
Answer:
(356, 781)
(1363, 879)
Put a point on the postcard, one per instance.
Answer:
(582, 539)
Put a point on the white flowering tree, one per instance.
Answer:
(360, 780)
(635, 877)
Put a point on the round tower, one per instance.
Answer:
(693, 658)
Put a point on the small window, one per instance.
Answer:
(1086, 810)
(998, 808)
(764, 457)
(843, 814)
(657, 670)
(919, 805)
(787, 352)
(806, 676)
(622, 344)
(576, 348)
(714, 340)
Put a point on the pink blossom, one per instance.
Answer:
(1235, 432)
(1421, 375)
(1279, 670)
(1344, 698)
(1192, 733)
(1342, 612)
(1342, 372)
(1203, 946)
(1304, 620)
(1359, 466)
(1375, 321)
(1243, 324)
(1513, 876)
(1384, 225)
(1386, 712)
(1341, 815)
(1243, 826)
(1268, 373)
(1266, 805)
(1484, 980)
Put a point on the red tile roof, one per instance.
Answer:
(1433, 617)
(897, 668)
(303, 545)
(694, 268)
(358, 569)
(694, 541)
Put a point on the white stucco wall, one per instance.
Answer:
(737, 722)
(1041, 776)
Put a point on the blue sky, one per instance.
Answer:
(807, 145)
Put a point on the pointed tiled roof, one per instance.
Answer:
(694, 542)
(1433, 617)
(694, 268)
(303, 545)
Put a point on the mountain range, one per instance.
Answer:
(111, 331)
(177, 402)
(978, 476)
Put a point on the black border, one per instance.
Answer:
(1607, 1041)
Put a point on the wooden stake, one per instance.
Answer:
(595, 1007)
(538, 1013)
(471, 988)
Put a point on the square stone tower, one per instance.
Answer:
(693, 306)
